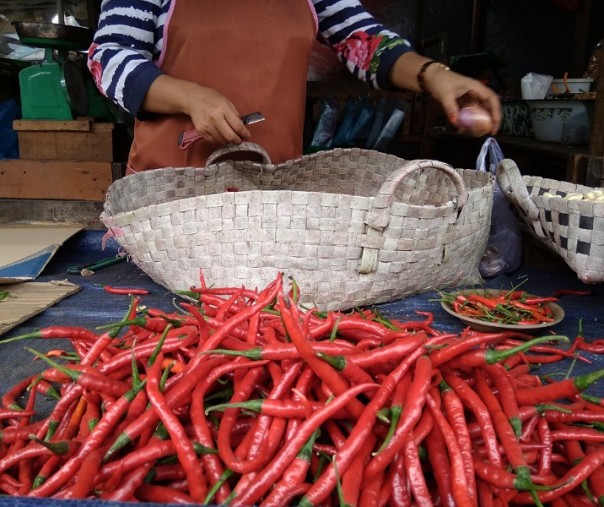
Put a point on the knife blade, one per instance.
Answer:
(251, 118)
(188, 137)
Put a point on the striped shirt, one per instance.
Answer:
(130, 39)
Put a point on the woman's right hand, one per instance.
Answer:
(213, 115)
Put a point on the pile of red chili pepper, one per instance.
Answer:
(243, 397)
(512, 307)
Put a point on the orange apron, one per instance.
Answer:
(255, 53)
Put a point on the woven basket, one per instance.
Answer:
(351, 226)
(574, 229)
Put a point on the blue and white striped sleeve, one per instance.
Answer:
(365, 46)
(124, 46)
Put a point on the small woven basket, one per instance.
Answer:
(351, 226)
(574, 229)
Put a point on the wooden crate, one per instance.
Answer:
(40, 179)
(74, 140)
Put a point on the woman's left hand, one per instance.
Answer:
(471, 106)
(453, 91)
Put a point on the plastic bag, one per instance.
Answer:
(326, 126)
(389, 130)
(343, 137)
(503, 253)
(535, 86)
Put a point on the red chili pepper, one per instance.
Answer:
(201, 429)
(571, 292)
(351, 371)
(398, 479)
(569, 481)
(87, 379)
(595, 347)
(128, 291)
(30, 451)
(162, 494)
(455, 414)
(439, 460)
(484, 356)
(460, 490)
(183, 445)
(285, 351)
(545, 455)
(150, 452)
(335, 382)
(294, 474)
(414, 472)
(411, 413)
(352, 478)
(458, 346)
(287, 453)
(94, 440)
(573, 416)
(389, 354)
(325, 483)
(505, 432)
(539, 300)
(69, 332)
(471, 400)
(566, 388)
(571, 433)
(86, 475)
(128, 485)
(501, 478)
(268, 430)
(507, 395)
(536, 312)
(596, 479)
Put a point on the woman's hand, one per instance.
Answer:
(213, 115)
(470, 106)
(452, 91)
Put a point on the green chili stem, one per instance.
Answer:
(493, 356)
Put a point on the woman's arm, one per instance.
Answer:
(121, 60)
(384, 59)
(452, 90)
(213, 115)
(122, 52)
(365, 46)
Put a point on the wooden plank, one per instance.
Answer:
(596, 142)
(595, 172)
(92, 145)
(35, 179)
(595, 164)
(576, 168)
(83, 125)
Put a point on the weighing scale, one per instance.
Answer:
(59, 88)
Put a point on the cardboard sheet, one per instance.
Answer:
(24, 300)
(26, 248)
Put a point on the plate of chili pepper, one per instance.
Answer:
(495, 309)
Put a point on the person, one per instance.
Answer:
(182, 65)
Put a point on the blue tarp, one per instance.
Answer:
(92, 307)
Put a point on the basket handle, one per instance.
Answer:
(378, 215)
(511, 184)
(245, 147)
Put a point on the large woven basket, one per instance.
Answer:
(351, 226)
(574, 229)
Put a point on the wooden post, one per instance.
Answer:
(595, 164)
